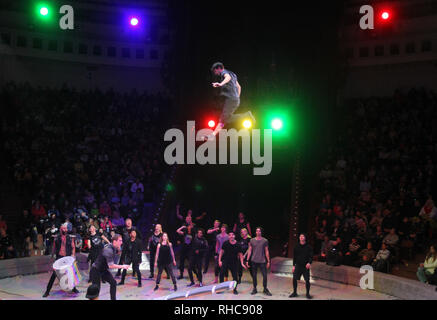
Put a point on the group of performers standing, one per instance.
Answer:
(233, 252)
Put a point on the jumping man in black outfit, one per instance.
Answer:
(302, 259)
(230, 91)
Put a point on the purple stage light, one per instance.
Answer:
(134, 21)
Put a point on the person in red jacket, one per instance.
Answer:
(106, 225)
(38, 210)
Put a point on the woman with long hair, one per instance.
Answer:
(426, 270)
(164, 259)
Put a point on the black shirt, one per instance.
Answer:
(229, 90)
(106, 258)
(199, 244)
(231, 251)
(96, 243)
(303, 254)
(154, 241)
(244, 244)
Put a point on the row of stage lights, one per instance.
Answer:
(276, 124)
(45, 12)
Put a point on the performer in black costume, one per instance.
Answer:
(107, 260)
(230, 91)
(302, 259)
(95, 243)
(132, 253)
(127, 229)
(187, 233)
(199, 247)
(211, 236)
(163, 260)
(152, 245)
(63, 246)
(229, 258)
(244, 246)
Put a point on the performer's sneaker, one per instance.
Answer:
(190, 284)
(293, 295)
(309, 296)
(252, 117)
(267, 292)
(175, 288)
(205, 271)
(151, 276)
(235, 291)
(75, 290)
(139, 285)
(46, 294)
(254, 291)
(180, 277)
(120, 283)
(200, 284)
(156, 288)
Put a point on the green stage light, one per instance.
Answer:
(169, 187)
(44, 11)
(277, 124)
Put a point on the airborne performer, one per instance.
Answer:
(230, 91)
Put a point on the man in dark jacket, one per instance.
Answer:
(302, 259)
(132, 253)
(198, 249)
(63, 246)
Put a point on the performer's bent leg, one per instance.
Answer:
(95, 277)
(152, 263)
(107, 276)
(51, 281)
(136, 269)
(296, 276)
(191, 267)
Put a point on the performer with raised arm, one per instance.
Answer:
(258, 255)
(302, 259)
(189, 213)
(230, 91)
(165, 260)
(230, 258)
(63, 246)
(105, 261)
(187, 233)
(211, 236)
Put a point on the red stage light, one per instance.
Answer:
(385, 15)
(211, 123)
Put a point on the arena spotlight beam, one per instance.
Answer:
(134, 21)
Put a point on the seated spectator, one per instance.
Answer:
(325, 248)
(428, 211)
(94, 212)
(367, 255)
(106, 225)
(117, 220)
(392, 241)
(335, 253)
(137, 186)
(38, 211)
(105, 209)
(380, 263)
(7, 250)
(426, 271)
(3, 224)
(351, 255)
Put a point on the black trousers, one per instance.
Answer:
(97, 276)
(169, 270)
(208, 255)
(229, 266)
(53, 278)
(240, 270)
(152, 262)
(228, 113)
(299, 271)
(195, 266)
(184, 255)
(135, 269)
(263, 268)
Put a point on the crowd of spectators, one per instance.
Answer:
(377, 206)
(82, 157)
